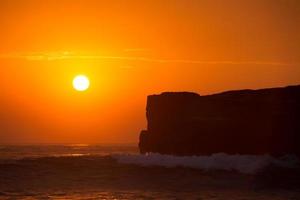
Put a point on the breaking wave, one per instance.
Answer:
(248, 164)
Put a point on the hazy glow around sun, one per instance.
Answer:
(81, 83)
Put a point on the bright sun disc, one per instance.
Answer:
(81, 83)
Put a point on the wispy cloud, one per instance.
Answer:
(40, 55)
(136, 50)
(66, 55)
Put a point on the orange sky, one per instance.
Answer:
(130, 49)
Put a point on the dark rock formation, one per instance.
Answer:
(265, 121)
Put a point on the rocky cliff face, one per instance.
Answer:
(263, 121)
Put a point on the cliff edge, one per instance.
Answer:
(265, 121)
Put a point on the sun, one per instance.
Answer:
(81, 83)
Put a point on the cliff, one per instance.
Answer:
(265, 121)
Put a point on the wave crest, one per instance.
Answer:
(248, 164)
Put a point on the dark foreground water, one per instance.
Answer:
(119, 172)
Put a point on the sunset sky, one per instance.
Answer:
(130, 49)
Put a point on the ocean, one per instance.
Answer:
(118, 171)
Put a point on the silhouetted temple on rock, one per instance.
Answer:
(265, 121)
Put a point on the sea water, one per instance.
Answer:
(118, 171)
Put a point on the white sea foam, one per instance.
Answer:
(248, 164)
